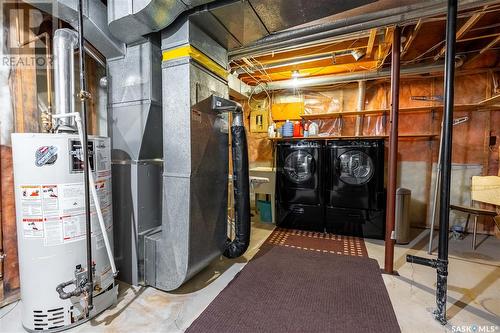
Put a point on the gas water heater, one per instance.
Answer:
(51, 233)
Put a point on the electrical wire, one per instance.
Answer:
(259, 88)
(10, 310)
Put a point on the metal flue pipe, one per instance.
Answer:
(393, 153)
(360, 107)
(65, 42)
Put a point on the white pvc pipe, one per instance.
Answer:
(97, 204)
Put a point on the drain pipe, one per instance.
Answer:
(441, 263)
(241, 180)
(84, 95)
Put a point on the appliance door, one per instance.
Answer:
(355, 168)
(352, 178)
(298, 175)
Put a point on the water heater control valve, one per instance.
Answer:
(80, 276)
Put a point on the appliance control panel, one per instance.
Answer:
(76, 156)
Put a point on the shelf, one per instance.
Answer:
(491, 101)
(346, 137)
(343, 113)
(329, 138)
(457, 108)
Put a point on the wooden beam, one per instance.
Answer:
(371, 42)
(490, 45)
(312, 71)
(463, 30)
(411, 38)
(486, 48)
(490, 101)
(385, 48)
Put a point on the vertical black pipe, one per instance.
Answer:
(393, 153)
(444, 199)
(85, 152)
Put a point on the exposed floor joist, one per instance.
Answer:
(411, 38)
(486, 48)
(385, 48)
(371, 42)
(463, 30)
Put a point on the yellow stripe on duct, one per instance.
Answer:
(196, 55)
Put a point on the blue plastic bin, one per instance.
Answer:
(265, 212)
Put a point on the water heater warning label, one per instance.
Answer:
(33, 228)
(56, 212)
(53, 231)
(32, 212)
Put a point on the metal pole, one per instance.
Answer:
(444, 202)
(441, 263)
(84, 147)
(393, 153)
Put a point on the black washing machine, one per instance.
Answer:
(354, 191)
(299, 191)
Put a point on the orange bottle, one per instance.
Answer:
(297, 129)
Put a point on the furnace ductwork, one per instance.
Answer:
(130, 20)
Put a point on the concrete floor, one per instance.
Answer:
(474, 292)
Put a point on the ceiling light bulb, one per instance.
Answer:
(357, 54)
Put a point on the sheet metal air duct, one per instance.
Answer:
(193, 229)
(358, 76)
(130, 20)
(95, 22)
(65, 43)
(135, 120)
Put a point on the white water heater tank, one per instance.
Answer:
(50, 212)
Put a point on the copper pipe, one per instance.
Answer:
(393, 153)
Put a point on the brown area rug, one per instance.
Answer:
(285, 289)
(318, 242)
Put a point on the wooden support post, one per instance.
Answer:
(393, 153)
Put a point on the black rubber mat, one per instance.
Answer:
(291, 290)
